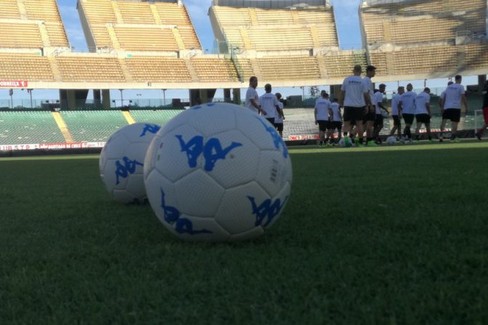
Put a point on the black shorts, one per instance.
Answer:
(369, 117)
(279, 126)
(335, 125)
(396, 120)
(378, 120)
(423, 118)
(353, 114)
(452, 114)
(323, 125)
(408, 118)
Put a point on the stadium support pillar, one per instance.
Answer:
(106, 99)
(227, 97)
(236, 95)
(201, 96)
(335, 90)
(97, 98)
(72, 98)
(481, 82)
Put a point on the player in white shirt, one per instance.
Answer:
(279, 118)
(441, 103)
(422, 112)
(336, 121)
(252, 98)
(396, 112)
(354, 98)
(453, 99)
(369, 118)
(408, 111)
(269, 104)
(322, 115)
(379, 110)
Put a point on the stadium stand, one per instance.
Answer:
(158, 69)
(95, 126)
(436, 35)
(28, 127)
(10, 10)
(281, 43)
(152, 116)
(272, 29)
(79, 68)
(20, 34)
(209, 69)
(120, 24)
(25, 66)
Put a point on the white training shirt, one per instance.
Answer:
(452, 96)
(355, 88)
(421, 101)
(322, 106)
(395, 105)
(370, 86)
(278, 118)
(268, 103)
(336, 112)
(252, 93)
(408, 102)
(378, 99)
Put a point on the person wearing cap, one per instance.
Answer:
(369, 118)
(354, 97)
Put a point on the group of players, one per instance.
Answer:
(269, 105)
(364, 112)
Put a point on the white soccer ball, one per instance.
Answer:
(122, 162)
(345, 142)
(391, 140)
(218, 172)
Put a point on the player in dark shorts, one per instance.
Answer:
(396, 112)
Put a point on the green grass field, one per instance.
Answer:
(395, 235)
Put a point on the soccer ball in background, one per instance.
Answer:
(345, 142)
(122, 161)
(218, 172)
(391, 140)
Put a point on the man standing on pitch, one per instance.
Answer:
(252, 98)
(270, 104)
(354, 97)
(452, 100)
(369, 118)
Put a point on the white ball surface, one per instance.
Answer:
(218, 172)
(121, 162)
(391, 140)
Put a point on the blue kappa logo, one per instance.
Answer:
(125, 168)
(277, 140)
(212, 150)
(266, 211)
(173, 217)
(150, 128)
